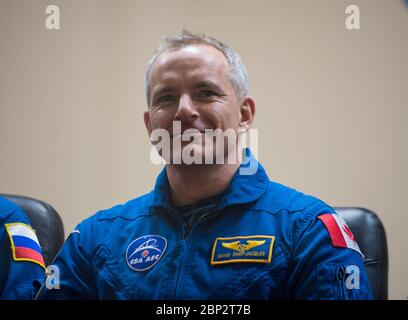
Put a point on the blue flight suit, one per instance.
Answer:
(261, 240)
(22, 269)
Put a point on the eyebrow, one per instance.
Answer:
(207, 84)
(161, 90)
(201, 84)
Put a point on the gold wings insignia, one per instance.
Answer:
(232, 245)
(253, 243)
(237, 246)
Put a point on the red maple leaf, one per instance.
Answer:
(349, 233)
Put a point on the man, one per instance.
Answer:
(22, 268)
(207, 231)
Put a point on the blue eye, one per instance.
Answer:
(206, 94)
(164, 99)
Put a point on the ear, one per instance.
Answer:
(146, 118)
(247, 113)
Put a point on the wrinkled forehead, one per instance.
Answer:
(189, 62)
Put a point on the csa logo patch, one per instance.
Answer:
(144, 252)
(242, 249)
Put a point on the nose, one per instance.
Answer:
(186, 111)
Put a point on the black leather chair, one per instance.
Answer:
(371, 238)
(46, 222)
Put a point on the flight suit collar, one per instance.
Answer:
(242, 189)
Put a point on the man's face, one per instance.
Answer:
(191, 85)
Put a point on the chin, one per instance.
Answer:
(199, 155)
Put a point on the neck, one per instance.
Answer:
(192, 183)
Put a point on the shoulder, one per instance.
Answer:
(11, 213)
(105, 226)
(279, 198)
(293, 211)
(120, 213)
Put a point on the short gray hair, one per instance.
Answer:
(237, 71)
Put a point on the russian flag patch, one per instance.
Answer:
(24, 243)
(340, 234)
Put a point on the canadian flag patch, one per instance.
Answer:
(339, 232)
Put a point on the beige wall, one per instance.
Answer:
(332, 103)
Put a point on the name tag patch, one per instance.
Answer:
(256, 249)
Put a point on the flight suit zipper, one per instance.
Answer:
(186, 233)
(341, 279)
(188, 229)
